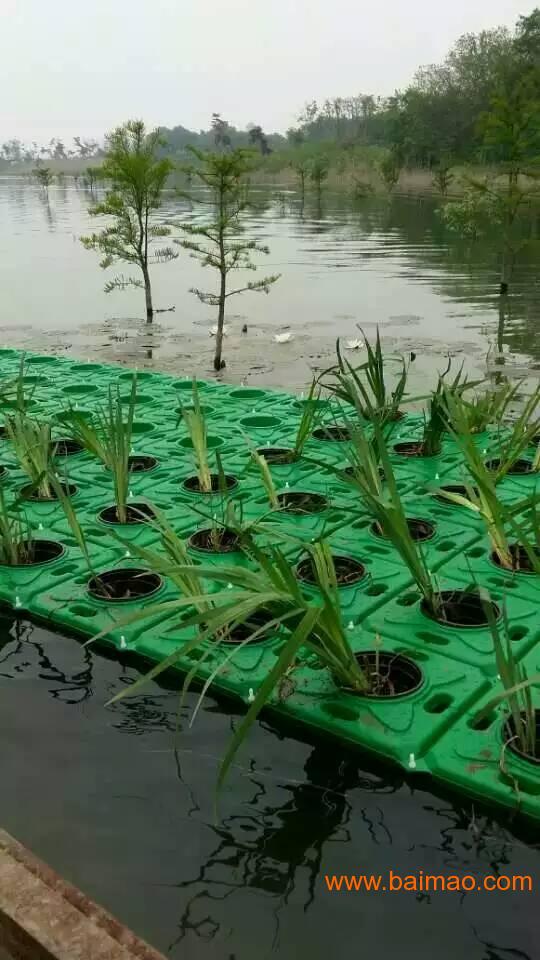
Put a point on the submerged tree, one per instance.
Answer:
(258, 138)
(218, 243)
(44, 176)
(318, 171)
(138, 177)
(512, 139)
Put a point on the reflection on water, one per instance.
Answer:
(100, 793)
(374, 261)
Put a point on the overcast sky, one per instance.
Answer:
(81, 66)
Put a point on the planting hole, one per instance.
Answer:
(138, 512)
(297, 502)
(214, 540)
(335, 433)
(389, 675)
(348, 571)
(65, 447)
(411, 448)
(419, 530)
(456, 488)
(519, 467)
(460, 608)
(35, 552)
(276, 456)
(122, 586)
(193, 484)
(511, 736)
(241, 633)
(517, 633)
(29, 492)
(520, 560)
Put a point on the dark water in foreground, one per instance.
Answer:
(99, 794)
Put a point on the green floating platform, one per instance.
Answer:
(432, 730)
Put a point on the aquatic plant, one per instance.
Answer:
(365, 387)
(31, 441)
(385, 505)
(108, 437)
(138, 176)
(521, 727)
(488, 407)
(16, 542)
(482, 497)
(255, 604)
(196, 426)
(219, 243)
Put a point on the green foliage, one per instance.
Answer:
(266, 599)
(196, 426)
(516, 693)
(390, 170)
(318, 171)
(16, 544)
(33, 449)
(218, 243)
(44, 176)
(366, 387)
(138, 177)
(109, 439)
(443, 177)
(384, 504)
(482, 496)
(473, 215)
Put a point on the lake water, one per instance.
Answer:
(99, 794)
(377, 261)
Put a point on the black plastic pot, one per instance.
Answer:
(460, 608)
(136, 512)
(348, 571)
(208, 540)
(124, 585)
(390, 675)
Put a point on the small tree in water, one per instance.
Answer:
(44, 176)
(219, 243)
(138, 178)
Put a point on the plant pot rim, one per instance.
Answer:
(71, 490)
(513, 572)
(429, 523)
(391, 655)
(362, 576)
(211, 493)
(514, 750)
(204, 550)
(134, 523)
(137, 571)
(457, 626)
(38, 563)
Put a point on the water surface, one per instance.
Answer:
(376, 261)
(99, 793)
